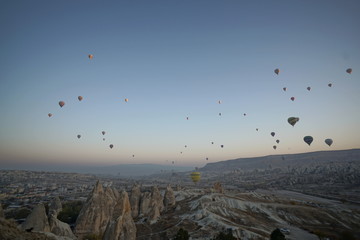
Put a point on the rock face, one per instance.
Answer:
(121, 225)
(60, 228)
(55, 206)
(37, 220)
(135, 200)
(169, 198)
(96, 213)
(151, 205)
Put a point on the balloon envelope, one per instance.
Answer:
(330, 84)
(349, 70)
(274, 147)
(195, 176)
(111, 146)
(103, 132)
(61, 103)
(308, 88)
(293, 120)
(292, 98)
(277, 71)
(277, 141)
(79, 136)
(80, 98)
(90, 56)
(272, 134)
(308, 139)
(329, 141)
(126, 99)
(49, 114)
(284, 89)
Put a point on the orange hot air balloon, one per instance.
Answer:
(49, 114)
(80, 98)
(61, 103)
(90, 56)
(349, 70)
(277, 71)
(292, 98)
(126, 100)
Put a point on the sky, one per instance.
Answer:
(175, 60)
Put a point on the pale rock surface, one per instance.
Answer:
(97, 211)
(37, 220)
(60, 228)
(55, 206)
(121, 225)
(145, 204)
(135, 200)
(218, 188)
(169, 198)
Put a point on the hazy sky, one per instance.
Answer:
(172, 60)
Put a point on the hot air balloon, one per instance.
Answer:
(103, 132)
(277, 141)
(185, 145)
(61, 103)
(80, 98)
(126, 100)
(328, 141)
(103, 139)
(222, 146)
(180, 152)
(187, 118)
(330, 84)
(293, 120)
(292, 98)
(111, 146)
(257, 129)
(79, 136)
(207, 159)
(219, 101)
(49, 114)
(133, 155)
(274, 147)
(173, 162)
(219, 114)
(244, 114)
(272, 134)
(284, 88)
(195, 176)
(212, 142)
(308, 88)
(90, 56)
(308, 139)
(349, 70)
(277, 71)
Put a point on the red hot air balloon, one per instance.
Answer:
(80, 98)
(61, 103)
(49, 114)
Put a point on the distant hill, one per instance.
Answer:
(284, 160)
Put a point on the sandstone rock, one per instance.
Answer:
(55, 206)
(121, 225)
(145, 204)
(218, 188)
(151, 205)
(169, 198)
(97, 211)
(37, 220)
(135, 200)
(60, 228)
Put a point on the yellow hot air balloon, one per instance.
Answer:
(195, 176)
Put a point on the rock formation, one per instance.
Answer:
(37, 220)
(218, 188)
(60, 228)
(55, 206)
(121, 225)
(151, 205)
(135, 200)
(97, 211)
(169, 198)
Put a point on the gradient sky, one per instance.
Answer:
(172, 60)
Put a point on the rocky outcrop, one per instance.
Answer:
(37, 220)
(151, 205)
(169, 198)
(55, 206)
(135, 200)
(97, 211)
(121, 225)
(218, 188)
(60, 228)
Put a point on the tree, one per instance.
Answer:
(225, 235)
(182, 235)
(277, 235)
